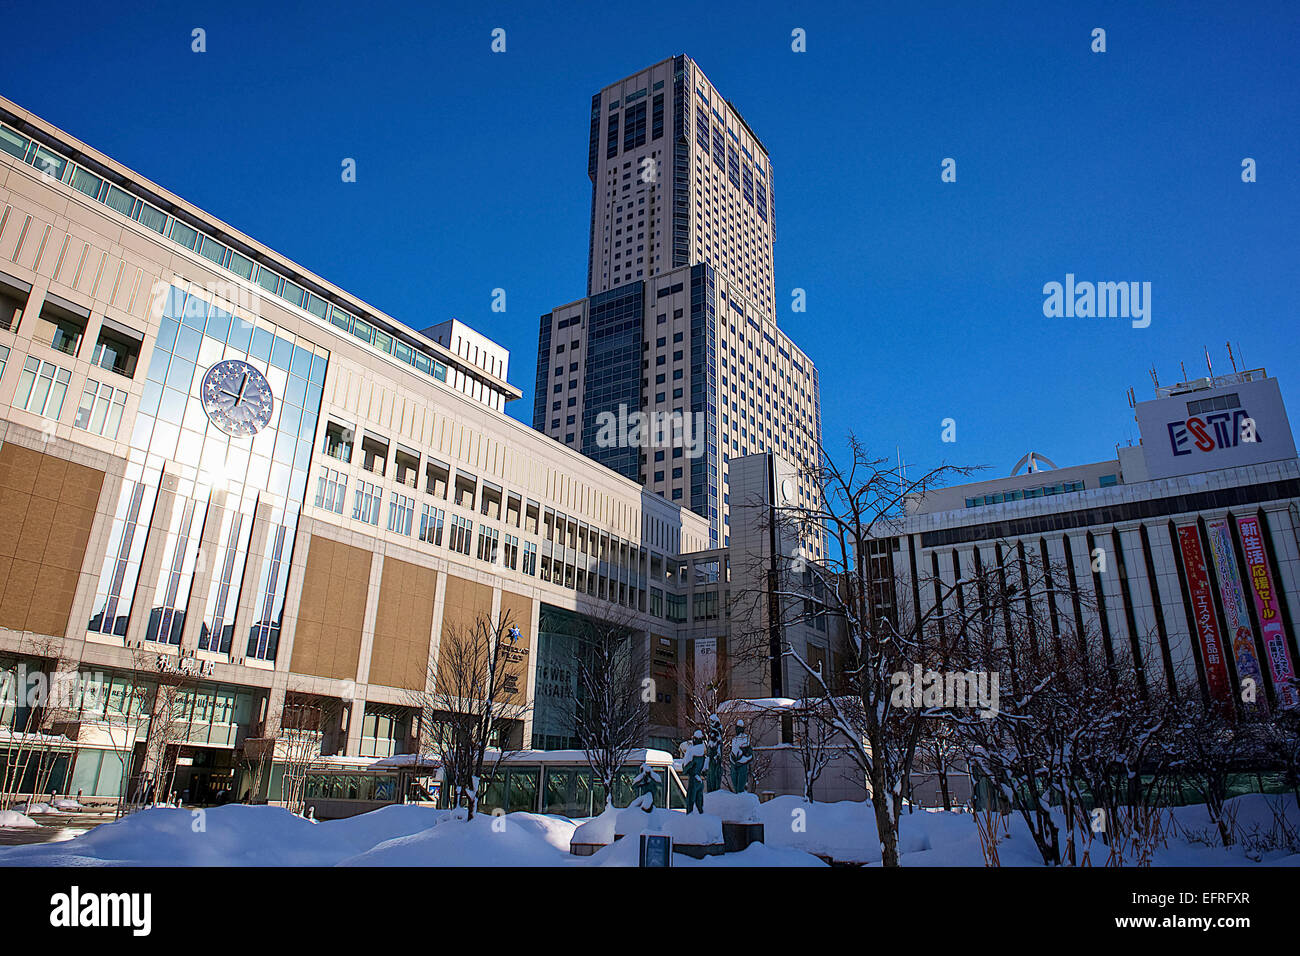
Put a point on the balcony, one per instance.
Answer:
(116, 352)
(13, 299)
(59, 328)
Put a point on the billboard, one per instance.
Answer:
(1241, 423)
(1259, 575)
(1203, 619)
(1235, 613)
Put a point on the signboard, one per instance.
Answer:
(1259, 576)
(1242, 423)
(706, 660)
(656, 850)
(1203, 619)
(1235, 613)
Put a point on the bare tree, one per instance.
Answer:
(304, 725)
(612, 712)
(856, 504)
(1213, 746)
(814, 739)
(477, 700)
(29, 751)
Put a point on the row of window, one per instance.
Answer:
(220, 254)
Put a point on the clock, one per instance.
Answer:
(787, 489)
(237, 398)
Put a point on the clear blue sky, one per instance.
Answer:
(924, 298)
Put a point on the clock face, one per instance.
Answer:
(787, 489)
(237, 398)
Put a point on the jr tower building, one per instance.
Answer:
(679, 321)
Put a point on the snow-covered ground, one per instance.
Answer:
(796, 833)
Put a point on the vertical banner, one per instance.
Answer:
(1207, 628)
(706, 661)
(1276, 650)
(1235, 613)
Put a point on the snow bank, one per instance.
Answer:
(844, 831)
(599, 829)
(733, 807)
(692, 829)
(224, 836)
(795, 832)
(38, 808)
(67, 804)
(515, 839)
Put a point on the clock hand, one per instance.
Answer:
(242, 385)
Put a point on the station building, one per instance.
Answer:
(1184, 545)
(220, 470)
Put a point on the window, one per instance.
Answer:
(407, 468)
(12, 302)
(42, 387)
(431, 525)
(4, 359)
(116, 352)
(510, 554)
(366, 506)
(374, 455)
(487, 544)
(338, 442)
(530, 558)
(331, 488)
(1107, 481)
(1231, 400)
(101, 409)
(401, 510)
(59, 328)
(705, 606)
(461, 532)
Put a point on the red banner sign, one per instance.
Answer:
(1273, 628)
(1207, 626)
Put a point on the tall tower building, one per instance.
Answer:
(679, 321)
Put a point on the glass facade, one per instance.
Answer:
(181, 462)
(612, 380)
(704, 390)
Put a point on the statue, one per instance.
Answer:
(714, 737)
(695, 761)
(646, 784)
(741, 754)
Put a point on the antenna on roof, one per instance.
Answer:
(1155, 380)
(1209, 367)
(1230, 356)
(1184, 368)
(1132, 399)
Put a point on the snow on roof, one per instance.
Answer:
(407, 762)
(639, 756)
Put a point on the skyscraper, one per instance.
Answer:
(679, 321)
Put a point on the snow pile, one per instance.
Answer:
(224, 836)
(627, 852)
(796, 833)
(516, 839)
(844, 831)
(37, 808)
(690, 829)
(599, 829)
(67, 804)
(733, 807)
